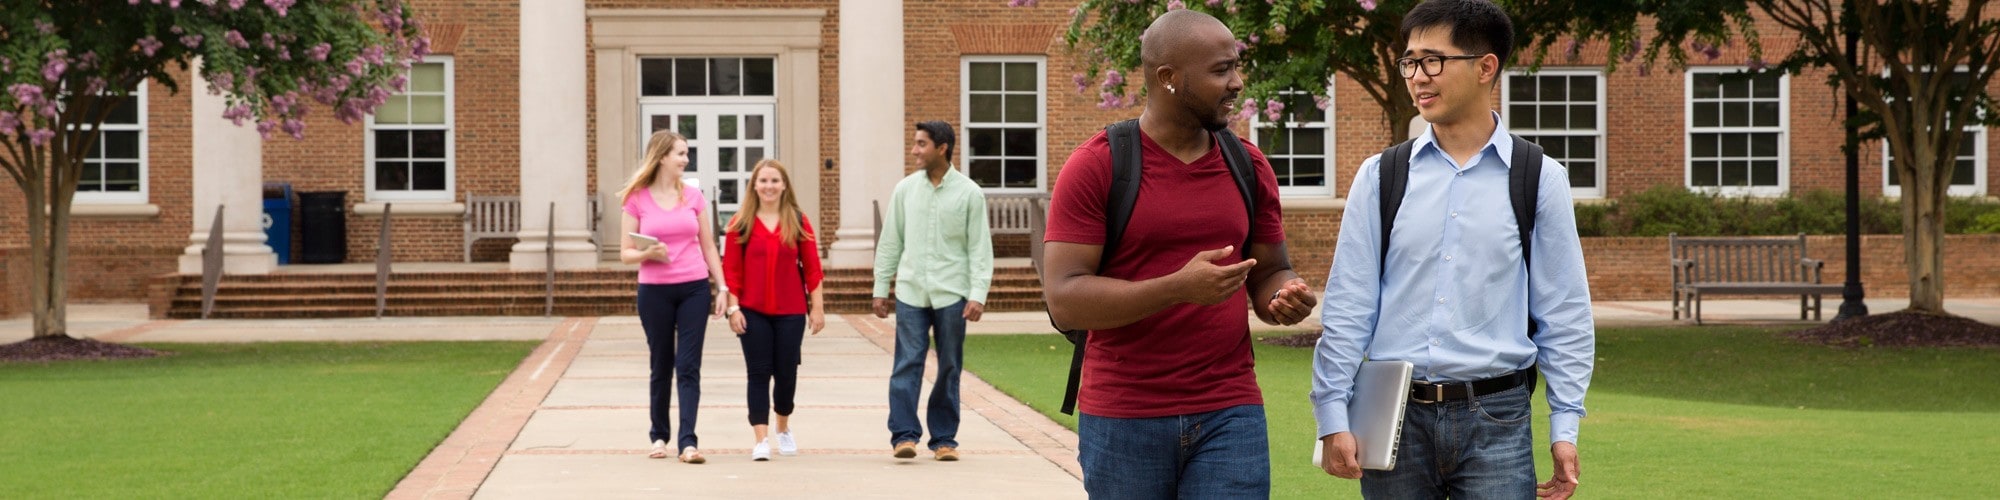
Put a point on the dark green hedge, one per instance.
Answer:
(1672, 209)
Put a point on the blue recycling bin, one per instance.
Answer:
(278, 219)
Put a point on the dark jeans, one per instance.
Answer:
(1481, 448)
(914, 326)
(675, 317)
(1219, 454)
(771, 350)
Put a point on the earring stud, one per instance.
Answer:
(1170, 89)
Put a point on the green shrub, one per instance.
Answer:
(1672, 209)
(1669, 209)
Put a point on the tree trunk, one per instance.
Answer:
(1923, 227)
(45, 301)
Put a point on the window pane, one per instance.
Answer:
(92, 178)
(124, 111)
(1766, 113)
(1267, 139)
(725, 76)
(758, 76)
(1735, 86)
(985, 76)
(392, 176)
(124, 144)
(1308, 172)
(428, 144)
(1583, 117)
(427, 77)
(986, 108)
(1283, 168)
(428, 175)
(1583, 148)
(983, 141)
(1021, 77)
(725, 191)
(690, 77)
(392, 144)
(752, 155)
(1309, 141)
(725, 160)
(1704, 173)
(1020, 174)
(985, 172)
(1767, 85)
(1735, 114)
(660, 122)
(1706, 86)
(1554, 117)
(1021, 108)
(394, 111)
(753, 127)
(727, 126)
(656, 77)
(1735, 145)
(1548, 91)
(1582, 174)
(1520, 88)
(1969, 146)
(687, 128)
(1764, 173)
(1704, 146)
(1521, 116)
(1020, 142)
(1583, 88)
(1735, 173)
(121, 177)
(1707, 114)
(427, 109)
(1764, 145)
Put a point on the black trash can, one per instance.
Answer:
(322, 227)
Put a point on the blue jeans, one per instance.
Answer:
(675, 317)
(1219, 454)
(914, 326)
(1480, 448)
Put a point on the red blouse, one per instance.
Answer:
(765, 275)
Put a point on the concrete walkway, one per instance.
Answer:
(570, 421)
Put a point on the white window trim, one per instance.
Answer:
(450, 191)
(1978, 186)
(1783, 130)
(141, 196)
(1041, 118)
(1506, 101)
(1257, 126)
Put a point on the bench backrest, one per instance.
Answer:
(1012, 214)
(1741, 259)
(492, 215)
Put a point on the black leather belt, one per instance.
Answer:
(1439, 392)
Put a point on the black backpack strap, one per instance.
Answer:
(1127, 164)
(1524, 181)
(1245, 174)
(1394, 176)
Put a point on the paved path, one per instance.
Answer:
(569, 422)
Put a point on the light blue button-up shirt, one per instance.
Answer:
(1454, 297)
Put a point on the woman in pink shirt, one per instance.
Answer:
(674, 282)
(773, 264)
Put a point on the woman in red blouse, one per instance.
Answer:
(772, 266)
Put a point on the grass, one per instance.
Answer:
(265, 420)
(1677, 412)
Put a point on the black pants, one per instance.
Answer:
(771, 351)
(675, 318)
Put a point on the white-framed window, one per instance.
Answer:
(1737, 139)
(1968, 176)
(410, 147)
(1301, 150)
(1563, 111)
(1001, 110)
(115, 170)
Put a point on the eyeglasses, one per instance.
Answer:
(1432, 64)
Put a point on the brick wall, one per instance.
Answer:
(13, 282)
(1636, 268)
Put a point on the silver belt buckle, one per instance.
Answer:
(1435, 391)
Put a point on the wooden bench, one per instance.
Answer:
(1014, 213)
(1744, 266)
(500, 217)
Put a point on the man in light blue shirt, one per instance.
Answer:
(1454, 297)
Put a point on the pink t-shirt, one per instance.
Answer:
(679, 228)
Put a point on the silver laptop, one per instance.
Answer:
(1375, 412)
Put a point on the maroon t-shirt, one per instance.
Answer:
(1188, 358)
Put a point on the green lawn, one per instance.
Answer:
(267, 420)
(1678, 413)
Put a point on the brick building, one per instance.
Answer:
(550, 100)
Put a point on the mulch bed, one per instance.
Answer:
(1903, 329)
(64, 348)
(1308, 340)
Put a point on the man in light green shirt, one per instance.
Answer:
(936, 246)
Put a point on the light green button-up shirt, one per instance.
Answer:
(935, 242)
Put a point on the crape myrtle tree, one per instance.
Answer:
(67, 65)
(1921, 73)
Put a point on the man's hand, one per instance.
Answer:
(973, 310)
(1293, 302)
(882, 307)
(1339, 457)
(1203, 282)
(1563, 483)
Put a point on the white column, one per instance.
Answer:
(871, 123)
(552, 137)
(228, 171)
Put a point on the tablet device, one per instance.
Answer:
(1375, 413)
(642, 242)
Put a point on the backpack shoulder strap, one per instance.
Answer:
(1127, 164)
(1524, 182)
(1394, 176)
(1245, 174)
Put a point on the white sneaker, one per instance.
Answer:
(762, 452)
(786, 445)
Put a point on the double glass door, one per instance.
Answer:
(724, 142)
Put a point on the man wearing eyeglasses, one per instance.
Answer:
(1453, 294)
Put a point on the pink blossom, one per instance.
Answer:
(1176, 5)
(174, 29)
(1113, 79)
(357, 67)
(1214, 3)
(1757, 64)
(1273, 109)
(1240, 46)
(223, 80)
(94, 85)
(40, 137)
(149, 45)
(284, 53)
(399, 82)
(45, 27)
(235, 39)
(372, 54)
(1368, 5)
(1082, 83)
(1108, 100)
(236, 4)
(421, 48)
(191, 40)
(295, 127)
(270, 42)
(279, 5)
(1021, 3)
(6, 64)
(264, 128)
(236, 114)
(28, 95)
(319, 52)
(58, 63)
(9, 122)
(1322, 102)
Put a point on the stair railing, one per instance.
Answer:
(382, 258)
(211, 264)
